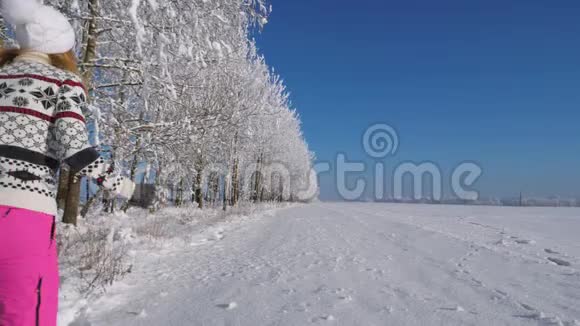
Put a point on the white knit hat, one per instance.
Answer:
(38, 27)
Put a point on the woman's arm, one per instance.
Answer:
(72, 142)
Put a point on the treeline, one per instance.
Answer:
(512, 202)
(182, 101)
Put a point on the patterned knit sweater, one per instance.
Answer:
(42, 125)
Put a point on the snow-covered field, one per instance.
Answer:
(356, 264)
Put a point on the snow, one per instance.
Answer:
(140, 31)
(349, 264)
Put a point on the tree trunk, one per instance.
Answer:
(71, 210)
(213, 190)
(179, 194)
(225, 195)
(198, 192)
(90, 51)
(159, 199)
(74, 188)
(216, 189)
(62, 188)
(281, 190)
(73, 199)
(235, 183)
(257, 192)
(87, 190)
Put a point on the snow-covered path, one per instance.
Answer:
(362, 264)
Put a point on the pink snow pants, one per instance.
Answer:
(28, 268)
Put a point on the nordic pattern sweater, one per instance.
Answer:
(41, 126)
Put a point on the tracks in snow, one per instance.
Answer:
(355, 264)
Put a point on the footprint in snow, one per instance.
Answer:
(544, 319)
(477, 282)
(527, 307)
(346, 298)
(228, 306)
(501, 242)
(140, 314)
(341, 292)
(498, 295)
(320, 289)
(522, 241)
(559, 262)
(327, 318)
(456, 309)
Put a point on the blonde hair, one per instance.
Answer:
(65, 61)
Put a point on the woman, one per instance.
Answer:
(41, 125)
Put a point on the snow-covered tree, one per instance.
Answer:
(179, 87)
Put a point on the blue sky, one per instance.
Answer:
(496, 82)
